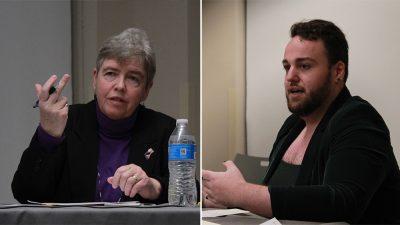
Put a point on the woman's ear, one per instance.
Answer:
(94, 76)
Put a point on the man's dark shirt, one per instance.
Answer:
(349, 172)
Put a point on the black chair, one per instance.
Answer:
(253, 168)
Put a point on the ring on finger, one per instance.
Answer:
(135, 177)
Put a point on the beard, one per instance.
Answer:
(311, 101)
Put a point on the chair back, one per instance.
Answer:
(253, 168)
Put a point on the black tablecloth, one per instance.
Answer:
(98, 216)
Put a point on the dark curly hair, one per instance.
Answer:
(333, 38)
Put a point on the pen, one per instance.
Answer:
(51, 91)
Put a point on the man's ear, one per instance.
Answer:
(339, 69)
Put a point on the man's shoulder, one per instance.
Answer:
(356, 103)
(356, 107)
(357, 112)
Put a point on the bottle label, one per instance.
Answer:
(181, 151)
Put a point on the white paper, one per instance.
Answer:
(264, 163)
(131, 203)
(221, 212)
(66, 204)
(272, 221)
(203, 222)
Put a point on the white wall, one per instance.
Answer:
(34, 43)
(373, 33)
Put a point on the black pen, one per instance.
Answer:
(51, 91)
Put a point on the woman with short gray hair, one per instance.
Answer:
(110, 149)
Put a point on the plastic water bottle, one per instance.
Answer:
(182, 166)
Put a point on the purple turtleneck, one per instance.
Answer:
(114, 138)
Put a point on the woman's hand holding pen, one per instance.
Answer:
(53, 107)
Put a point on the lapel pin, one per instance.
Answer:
(148, 153)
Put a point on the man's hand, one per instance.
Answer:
(53, 108)
(132, 180)
(229, 189)
(223, 189)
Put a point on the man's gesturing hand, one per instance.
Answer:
(223, 189)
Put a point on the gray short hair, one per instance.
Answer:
(129, 44)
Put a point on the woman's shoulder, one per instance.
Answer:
(153, 118)
(148, 113)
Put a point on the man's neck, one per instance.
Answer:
(312, 120)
